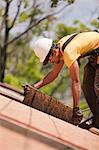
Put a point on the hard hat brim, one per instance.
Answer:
(47, 58)
(48, 55)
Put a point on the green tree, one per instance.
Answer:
(30, 12)
(95, 23)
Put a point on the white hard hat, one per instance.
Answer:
(42, 48)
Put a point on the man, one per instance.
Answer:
(68, 53)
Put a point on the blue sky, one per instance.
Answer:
(84, 10)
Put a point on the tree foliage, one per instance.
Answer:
(95, 23)
(30, 14)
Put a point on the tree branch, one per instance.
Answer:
(44, 18)
(17, 37)
(6, 22)
(61, 9)
(13, 22)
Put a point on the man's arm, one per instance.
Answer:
(76, 92)
(50, 76)
(76, 86)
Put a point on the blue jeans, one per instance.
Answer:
(90, 87)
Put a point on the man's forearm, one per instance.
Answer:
(76, 92)
(47, 79)
(38, 84)
(50, 76)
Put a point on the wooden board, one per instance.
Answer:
(48, 104)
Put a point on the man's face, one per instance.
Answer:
(54, 56)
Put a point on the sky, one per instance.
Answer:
(83, 10)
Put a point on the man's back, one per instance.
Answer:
(82, 43)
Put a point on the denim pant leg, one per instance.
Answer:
(96, 87)
(88, 86)
(96, 82)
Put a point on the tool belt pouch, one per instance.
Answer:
(94, 59)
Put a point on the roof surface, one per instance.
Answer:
(23, 127)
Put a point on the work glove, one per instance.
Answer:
(27, 88)
(77, 116)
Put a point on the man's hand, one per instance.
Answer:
(26, 89)
(77, 115)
